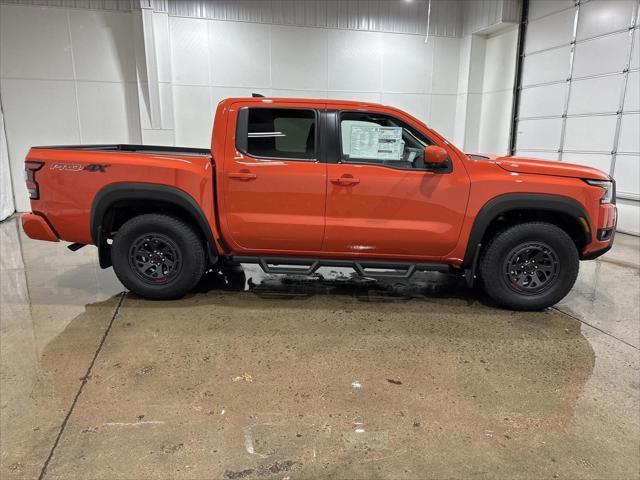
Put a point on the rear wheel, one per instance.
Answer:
(529, 266)
(158, 256)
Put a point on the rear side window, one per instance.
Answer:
(277, 133)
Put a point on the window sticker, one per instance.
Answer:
(383, 143)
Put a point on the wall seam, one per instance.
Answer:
(579, 42)
(623, 92)
(572, 53)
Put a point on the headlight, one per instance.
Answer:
(607, 186)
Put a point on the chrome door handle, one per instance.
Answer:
(242, 175)
(345, 180)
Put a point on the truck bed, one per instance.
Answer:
(130, 148)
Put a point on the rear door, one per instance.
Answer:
(273, 182)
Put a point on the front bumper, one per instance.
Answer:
(36, 227)
(603, 234)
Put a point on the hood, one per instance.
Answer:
(545, 167)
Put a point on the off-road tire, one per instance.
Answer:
(182, 240)
(495, 272)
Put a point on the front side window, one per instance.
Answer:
(381, 139)
(281, 133)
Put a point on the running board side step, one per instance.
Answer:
(307, 266)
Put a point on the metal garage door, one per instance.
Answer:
(579, 91)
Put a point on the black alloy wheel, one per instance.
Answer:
(155, 258)
(532, 267)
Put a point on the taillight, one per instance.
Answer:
(30, 169)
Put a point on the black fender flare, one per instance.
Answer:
(521, 201)
(119, 192)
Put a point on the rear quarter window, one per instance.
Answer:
(277, 133)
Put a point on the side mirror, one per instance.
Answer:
(435, 155)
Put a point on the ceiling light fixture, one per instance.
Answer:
(426, 39)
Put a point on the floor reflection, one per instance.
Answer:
(339, 375)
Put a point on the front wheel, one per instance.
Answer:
(529, 266)
(158, 256)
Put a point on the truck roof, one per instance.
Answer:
(305, 100)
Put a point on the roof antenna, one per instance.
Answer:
(257, 95)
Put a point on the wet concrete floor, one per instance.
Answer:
(271, 377)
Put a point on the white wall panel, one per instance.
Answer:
(632, 95)
(472, 123)
(35, 43)
(443, 114)
(445, 65)
(189, 51)
(598, 17)
(7, 205)
(602, 55)
(476, 62)
(193, 112)
(495, 122)
(464, 66)
(407, 64)
(630, 133)
(355, 63)
(158, 137)
(539, 8)
(145, 118)
(635, 57)
(627, 174)
(220, 93)
(590, 133)
(239, 54)
(628, 216)
(166, 106)
(36, 112)
(551, 31)
(549, 66)
(595, 160)
(596, 95)
(415, 104)
(500, 61)
(108, 112)
(546, 100)
(163, 50)
(539, 134)
(374, 97)
(298, 57)
(102, 45)
(497, 71)
(284, 93)
(460, 121)
(537, 155)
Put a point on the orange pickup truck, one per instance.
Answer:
(297, 184)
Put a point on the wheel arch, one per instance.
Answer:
(132, 199)
(564, 212)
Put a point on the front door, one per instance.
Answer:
(274, 186)
(382, 200)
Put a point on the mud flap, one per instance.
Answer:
(470, 274)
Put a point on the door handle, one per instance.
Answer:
(242, 175)
(345, 180)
